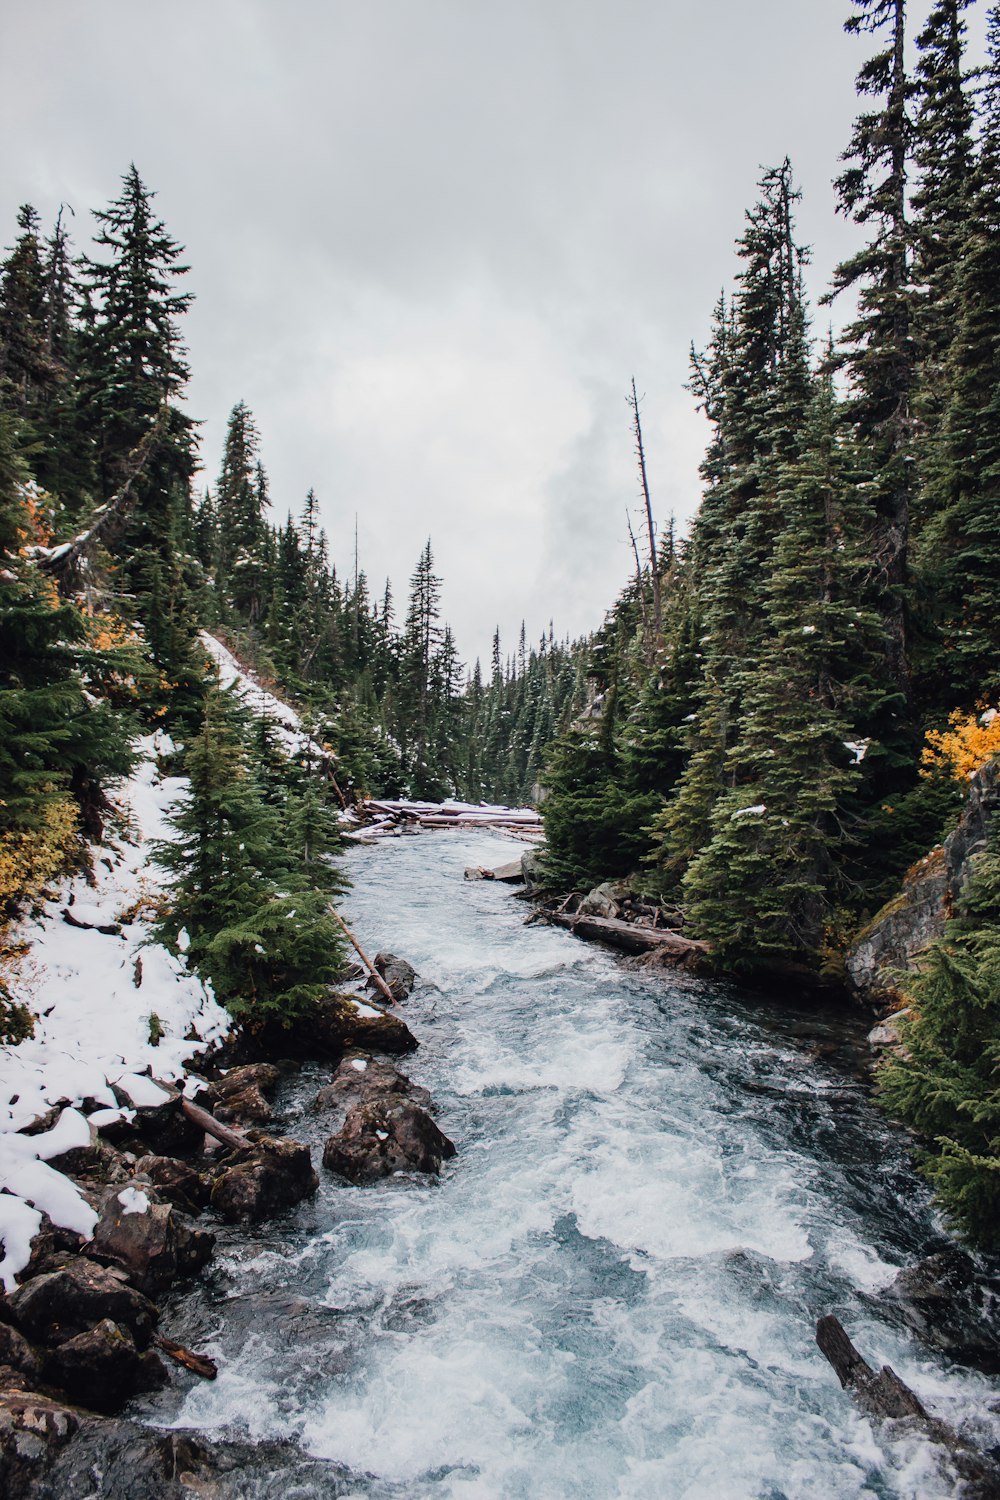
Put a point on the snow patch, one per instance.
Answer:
(757, 811)
(133, 1201)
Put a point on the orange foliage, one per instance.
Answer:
(968, 743)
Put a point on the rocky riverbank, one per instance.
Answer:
(81, 1331)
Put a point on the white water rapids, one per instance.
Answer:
(611, 1292)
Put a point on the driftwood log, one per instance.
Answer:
(882, 1395)
(213, 1127)
(626, 935)
(198, 1364)
(879, 1393)
(375, 976)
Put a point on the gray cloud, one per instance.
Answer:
(432, 240)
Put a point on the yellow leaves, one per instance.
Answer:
(967, 744)
(108, 633)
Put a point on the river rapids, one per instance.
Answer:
(611, 1292)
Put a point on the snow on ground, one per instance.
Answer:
(94, 994)
(287, 725)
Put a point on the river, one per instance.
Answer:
(611, 1292)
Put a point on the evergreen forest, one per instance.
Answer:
(777, 717)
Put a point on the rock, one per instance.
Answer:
(477, 872)
(932, 889)
(397, 973)
(533, 871)
(175, 1181)
(266, 1177)
(49, 1248)
(151, 1242)
(948, 1301)
(603, 901)
(240, 1096)
(333, 1026)
(360, 1079)
(381, 1137)
(57, 1306)
(887, 1035)
(17, 1353)
(102, 1368)
(32, 1429)
(509, 874)
(163, 1128)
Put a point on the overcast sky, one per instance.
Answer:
(431, 241)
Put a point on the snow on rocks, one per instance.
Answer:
(95, 994)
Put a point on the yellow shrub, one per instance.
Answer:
(968, 743)
(29, 859)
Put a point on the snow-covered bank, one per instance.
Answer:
(114, 1009)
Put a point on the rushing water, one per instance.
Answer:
(612, 1289)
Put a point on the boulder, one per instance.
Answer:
(151, 1242)
(162, 1127)
(948, 1302)
(533, 871)
(240, 1096)
(175, 1181)
(267, 1176)
(359, 1079)
(102, 1368)
(18, 1354)
(60, 1304)
(397, 973)
(32, 1430)
(333, 1026)
(50, 1248)
(381, 1137)
(509, 874)
(603, 901)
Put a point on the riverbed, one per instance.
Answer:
(611, 1292)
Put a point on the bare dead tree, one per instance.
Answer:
(654, 567)
(640, 587)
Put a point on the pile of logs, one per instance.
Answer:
(382, 819)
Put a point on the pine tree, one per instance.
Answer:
(945, 1083)
(880, 353)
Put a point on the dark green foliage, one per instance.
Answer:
(948, 1087)
(55, 736)
(251, 880)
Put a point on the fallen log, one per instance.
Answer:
(626, 935)
(235, 1139)
(198, 1364)
(879, 1393)
(376, 977)
(882, 1395)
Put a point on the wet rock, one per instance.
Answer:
(509, 874)
(397, 973)
(102, 1368)
(57, 1306)
(359, 1079)
(18, 1354)
(478, 872)
(336, 1024)
(240, 1097)
(32, 1430)
(382, 1137)
(175, 1181)
(266, 1177)
(151, 1242)
(950, 1303)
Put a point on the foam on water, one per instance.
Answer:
(612, 1290)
